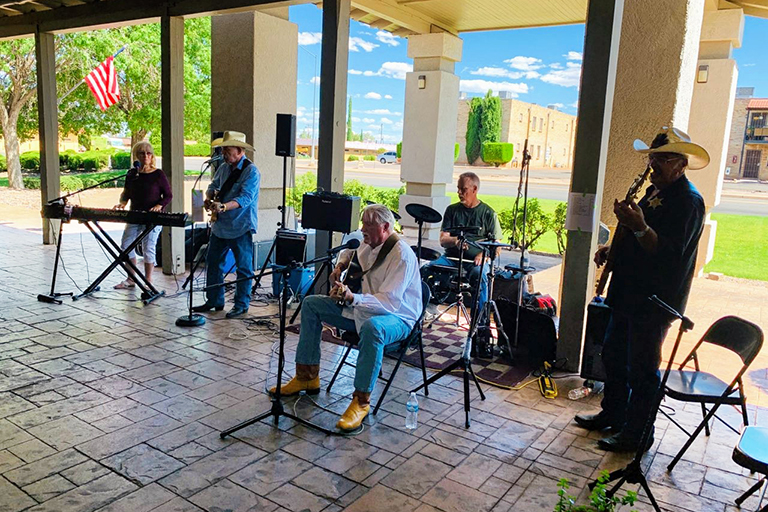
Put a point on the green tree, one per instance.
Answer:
(350, 133)
(537, 222)
(490, 119)
(474, 145)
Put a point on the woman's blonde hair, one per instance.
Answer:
(138, 147)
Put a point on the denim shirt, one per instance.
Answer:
(239, 221)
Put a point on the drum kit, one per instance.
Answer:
(447, 283)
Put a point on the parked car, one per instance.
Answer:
(390, 157)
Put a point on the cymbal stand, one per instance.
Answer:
(524, 168)
(490, 304)
(461, 309)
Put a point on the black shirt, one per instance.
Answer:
(481, 216)
(676, 214)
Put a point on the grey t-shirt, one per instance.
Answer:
(481, 215)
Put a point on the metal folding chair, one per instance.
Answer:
(752, 453)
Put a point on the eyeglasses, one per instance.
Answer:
(145, 152)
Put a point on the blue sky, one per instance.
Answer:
(538, 65)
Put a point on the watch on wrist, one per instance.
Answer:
(223, 207)
(642, 232)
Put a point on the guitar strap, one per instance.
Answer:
(389, 244)
(232, 179)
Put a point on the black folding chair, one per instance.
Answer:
(414, 338)
(735, 334)
(752, 453)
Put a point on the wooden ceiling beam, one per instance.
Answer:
(400, 15)
(381, 23)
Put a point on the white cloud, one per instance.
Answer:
(568, 77)
(482, 86)
(384, 120)
(505, 73)
(382, 112)
(372, 96)
(309, 38)
(355, 72)
(374, 126)
(749, 65)
(557, 105)
(524, 63)
(387, 38)
(575, 104)
(395, 69)
(369, 120)
(387, 97)
(556, 65)
(355, 119)
(358, 43)
(573, 55)
(314, 80)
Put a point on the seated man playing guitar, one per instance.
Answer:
(383, 312)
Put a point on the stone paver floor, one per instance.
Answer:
(106, 405)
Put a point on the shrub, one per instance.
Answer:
(121, 160)
(74, 161)
(369, 158)
(490, 119)
(353, 158)
(64, 159)
(95, 160)
(399, 150)
(32, 183)
(598, 498)
(199, 149)
(558, 226)
(307, 182)
(3, 165)
(473, 148)
(537, 223)
(381, 150)
(497, 153)
(30, 161)
(69, 183)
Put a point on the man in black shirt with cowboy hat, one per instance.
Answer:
(657, 258)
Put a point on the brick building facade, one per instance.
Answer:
(748, 145)
(550, 133)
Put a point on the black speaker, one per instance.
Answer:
(285, 138)
(598, 316)
(330, 212)
(289, 246)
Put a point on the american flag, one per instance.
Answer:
(102, 82)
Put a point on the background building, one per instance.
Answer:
(550, 133)
(748, 146)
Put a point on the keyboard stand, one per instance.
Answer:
(120, 258)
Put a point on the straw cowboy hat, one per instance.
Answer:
(672, 140)
(232, 138)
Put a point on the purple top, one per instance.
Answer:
(146, 190)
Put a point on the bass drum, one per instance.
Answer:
(438, 279)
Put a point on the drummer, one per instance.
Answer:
(469, 211)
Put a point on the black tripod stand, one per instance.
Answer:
(464, 363)
(633, 472)
(460, 233)
(490, 308)
(277, 408)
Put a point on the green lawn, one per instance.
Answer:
(547, 243)
(741, 246)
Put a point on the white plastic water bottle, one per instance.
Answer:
(579, 393)
(412, 413)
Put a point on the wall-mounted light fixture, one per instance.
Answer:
(703, 75)
(422, 81)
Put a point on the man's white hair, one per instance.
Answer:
(379, 214)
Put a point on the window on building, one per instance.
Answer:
(521, 118)
(541, 124)
(534, 122)
(538, 152)
(553, 125)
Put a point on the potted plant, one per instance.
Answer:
(598, 499)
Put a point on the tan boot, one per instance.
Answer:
(356, 412)
(307, 379)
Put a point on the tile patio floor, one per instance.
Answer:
(106, 405)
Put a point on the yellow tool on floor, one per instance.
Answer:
(547, 384)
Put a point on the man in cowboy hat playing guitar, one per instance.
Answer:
(384, 312)
(657, 257)
(233, 196)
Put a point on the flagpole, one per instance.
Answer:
(118, 52)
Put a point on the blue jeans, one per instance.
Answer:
(471, 271)
(632, 355)
(375, 334)
(242, 248)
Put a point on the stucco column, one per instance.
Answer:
(50, 176)
(654, 85)
(253, 68)
(429, 125)
(712, 111)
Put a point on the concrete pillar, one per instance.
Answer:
(253, 68)
(429, 125)
(712, 111)
(654, 85)
(332, 130)
(172, 129)
(596, 97)
(47, 112)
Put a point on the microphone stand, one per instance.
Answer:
(53, 296)
(633, 472)
(326, 266)
(193, 319)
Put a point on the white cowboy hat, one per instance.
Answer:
(672, 140)
(233, 139)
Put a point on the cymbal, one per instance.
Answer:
(455, 230)
(423, 213)
(426, 253)
(494, 245)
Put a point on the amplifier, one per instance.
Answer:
(289, 246)
(598, 315)
(330, 212)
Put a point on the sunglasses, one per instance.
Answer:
(663, 159)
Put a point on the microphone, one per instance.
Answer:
(215, 158)
(134, 171)
(352, 243)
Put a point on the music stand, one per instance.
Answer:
(633, 472)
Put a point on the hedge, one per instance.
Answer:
(30, 161)
(370, 158)
(456, 151)
(3, 167)
(353, 158)
(121, 160)
(199, 149)
(399, 150)
(497, 153)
